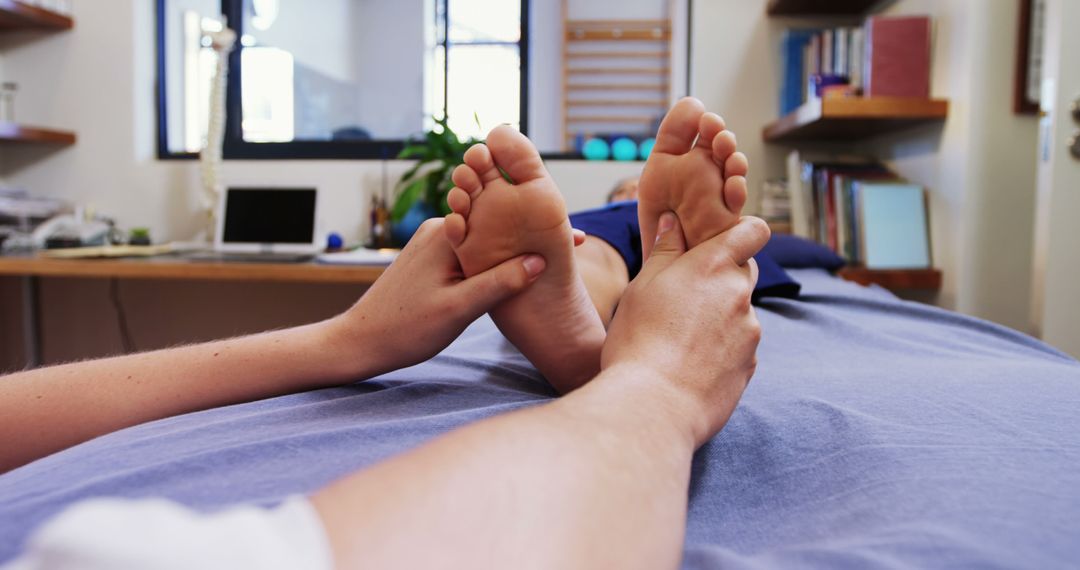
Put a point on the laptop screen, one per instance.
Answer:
(269, 215)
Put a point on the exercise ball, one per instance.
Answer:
(596, 149)
(624, 149)
(646, 148)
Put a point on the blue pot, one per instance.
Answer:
(402, 231)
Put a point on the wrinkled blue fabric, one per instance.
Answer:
(876, 433)
(617, 224)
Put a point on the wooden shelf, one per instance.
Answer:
(921, 279)
(611, 119)
(15, 15)
(821, 7)
(617, 54)
(617, 86)
(854, 118)
(618, 30)
(617, 71)
(11, 133)
(617, 103)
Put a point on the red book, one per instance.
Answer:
(897, 56)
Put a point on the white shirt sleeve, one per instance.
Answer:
(112, 534)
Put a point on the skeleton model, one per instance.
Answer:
(211, 154)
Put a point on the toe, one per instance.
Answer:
(455, 229)
(478, 157)
(467, 179)
(723, 146)
(710, 125)
(735, 194)
(680, 127)
(736, 165)
(459, 201)
(515, 154)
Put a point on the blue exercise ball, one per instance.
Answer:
(646, 148)
(624, 149)
(596, 149)
(402, 230)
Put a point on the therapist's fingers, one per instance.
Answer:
(738, 244)
(481, 292)
(670, 245)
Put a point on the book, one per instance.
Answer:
(897, 56)
(893, 222)
(794, 86)
(801, 215)
(855, 78)
(827, 58)
(840, 50)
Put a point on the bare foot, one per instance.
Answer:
(553, 323)
(695, 172)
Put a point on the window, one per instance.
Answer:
(340, 78)
(479, 51)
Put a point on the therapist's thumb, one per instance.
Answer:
(483, 291)
(670, 244)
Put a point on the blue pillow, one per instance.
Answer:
(800, 253)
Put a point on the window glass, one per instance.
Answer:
(334, 69)
(485, 21)
(484, 88)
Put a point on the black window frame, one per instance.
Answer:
(236, 147)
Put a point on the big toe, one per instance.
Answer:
(515, 154)
(679, 128)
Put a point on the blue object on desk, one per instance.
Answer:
(334, 241)
(402, 231)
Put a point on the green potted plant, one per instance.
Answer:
(422, 190)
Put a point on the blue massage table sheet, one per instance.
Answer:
(876, 433)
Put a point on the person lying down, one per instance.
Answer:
(620, 342)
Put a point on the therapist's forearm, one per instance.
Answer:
(49, 409)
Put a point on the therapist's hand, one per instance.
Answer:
(422, 303)
(687, 320)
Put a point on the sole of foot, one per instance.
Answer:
(695, 171)
(553, 323)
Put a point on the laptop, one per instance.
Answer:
(265, 225)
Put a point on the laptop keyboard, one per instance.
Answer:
(249, 257)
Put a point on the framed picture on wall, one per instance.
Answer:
(1028, 80)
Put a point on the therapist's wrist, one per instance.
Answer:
(651, 396)
(348, 351)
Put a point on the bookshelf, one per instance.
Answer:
(11, 133)
(894, 279)
(15, 15)
(846, 119)
(853, 118)
(821, 8)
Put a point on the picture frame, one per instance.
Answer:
(1027, 81)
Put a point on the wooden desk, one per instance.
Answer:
(31, 268)
(170, 267)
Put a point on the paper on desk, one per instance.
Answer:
(362, 256)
